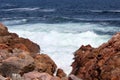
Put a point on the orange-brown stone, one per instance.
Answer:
(102, 63)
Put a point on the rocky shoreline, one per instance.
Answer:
(102, 63)
(20, 59)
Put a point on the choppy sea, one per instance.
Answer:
(60, 27)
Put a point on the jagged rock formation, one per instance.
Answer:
(102, 63)
(20, 59)
(10, 41)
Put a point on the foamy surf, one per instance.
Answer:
(60, 41)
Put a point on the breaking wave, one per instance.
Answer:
(60, 41)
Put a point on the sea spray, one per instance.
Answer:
(60, 41)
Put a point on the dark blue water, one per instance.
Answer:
(56, 11)
(103, 12)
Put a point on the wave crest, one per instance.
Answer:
(105, 11)
(29, 9)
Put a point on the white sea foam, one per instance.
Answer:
(110, 11)
(47, 10)
(60, 41)
(30, 9)
(21, 9)
(12, 22)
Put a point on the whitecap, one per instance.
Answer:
(21, 9)
(13, 22)
(29, 9)
(105, 11)
(46, 10)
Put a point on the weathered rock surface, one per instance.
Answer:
(102, 63)
(39, 76)
(61, 74)
(19, 60)
(20, 57)
(73, 77)
(18, 64)
(2, 78)
(3, 30)
(43, 63)
(12, 41)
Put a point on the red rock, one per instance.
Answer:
(102, 63)
(60, 73)
(43, 63)
(73, 77)
(16, 64)
(12, 40)
(3, 46)
(4, 55)
(19, 55)
(32, 47)
(3, 30)
(56, 78)
(37, 76)
(21, 47)
(64, 78)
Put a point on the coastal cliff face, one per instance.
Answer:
(102, 63)
(20, 59)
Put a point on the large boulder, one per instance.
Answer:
(16, 54)
(2, 78)
(102, 63)
(28, 45)
(12, 41)
(21, 63)
(73, 77)
(61, 74)
(3, 30)
(19, 56)
(43, 63)
(39, 76)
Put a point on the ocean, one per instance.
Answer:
(60, 27)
